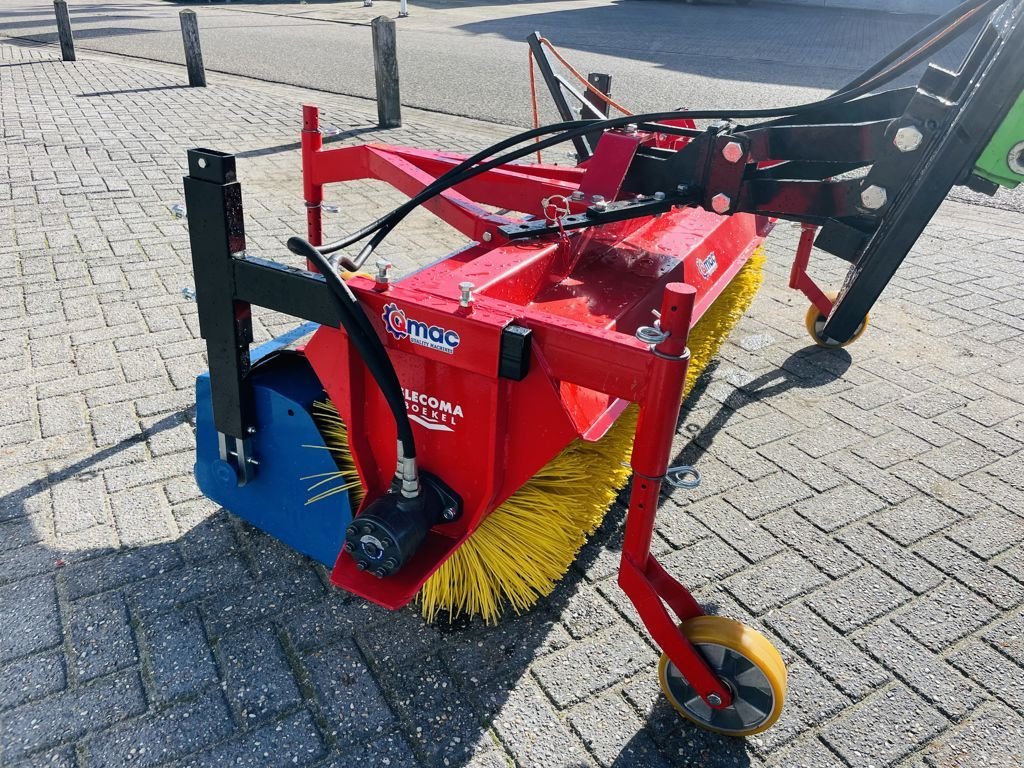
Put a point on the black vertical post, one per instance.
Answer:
(213, 198)
(603, 83)
(67, 39)
(385, 65)
(193, 52)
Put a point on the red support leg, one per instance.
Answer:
(312, 142)
(641, 577)
(798, 277)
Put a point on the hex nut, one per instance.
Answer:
(874, 197)
(908, 138)
(721, 203)
(732, 151)
(1015, 159)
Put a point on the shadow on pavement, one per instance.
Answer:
(229, 622)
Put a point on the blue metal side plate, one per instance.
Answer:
(284, 388)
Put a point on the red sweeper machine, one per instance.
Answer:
(476, 418)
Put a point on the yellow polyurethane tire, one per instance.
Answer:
(709, 634)
(814, 321)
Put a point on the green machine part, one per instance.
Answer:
(1002, 162)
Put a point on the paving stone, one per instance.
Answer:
(32, 617)
(989, 739)
(858, 598)
(991, 670)
(914, 519)
(585, 611)
(989, 533)
(612, 733)
(177, 731)
(26, 561)
(927, 674)
(861, 737)
(794, 461)
(351, 700)
(31, 677)
(807, 752)
(945, 615)
(832, 655)
(831, 557)
(239, 609)
(749, 538)
(881, 483)
(101, 639)
(118, 569)
(68, 715)
(62, 757)
(389, 751)
(774, 582)
(531, 732)
(958, 458)
(259, 681)
(976, 574)
(293, 740)
(768, 494)
(839, 506)
(177, 654)
(591, 665)
(903, 565)
(481, 654)
(441, 728)
(706, 561)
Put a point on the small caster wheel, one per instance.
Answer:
(815, 322)
(743, 658)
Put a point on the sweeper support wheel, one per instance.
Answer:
(815, 320)
(745, 661)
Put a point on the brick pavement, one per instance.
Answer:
(864, 509)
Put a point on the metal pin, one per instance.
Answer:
(466, 297)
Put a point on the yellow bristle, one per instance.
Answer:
(521, 550)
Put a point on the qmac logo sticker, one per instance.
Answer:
(431, 336)
(707, 266)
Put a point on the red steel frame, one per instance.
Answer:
(582, 296)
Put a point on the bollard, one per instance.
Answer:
(403, 9)
(385, 65)
(193, 53)
(67, 40)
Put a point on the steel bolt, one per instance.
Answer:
(908, 138)
(1016, 158)
(721, 203)
(380, 573)
(659, 196)
(733, 151)
(714, 699)
(250, 430)
(448, 513)
(466, 297)
(487, 237)
(577, 196)
(361, 565)
(630, 128)
(874, 197)
(382, 271)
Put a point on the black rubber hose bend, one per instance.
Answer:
(367, 343)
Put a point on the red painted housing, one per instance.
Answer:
(583, 295)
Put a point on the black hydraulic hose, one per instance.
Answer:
(938, 29)
(467, 170)
(367, 343)
(876, 76)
